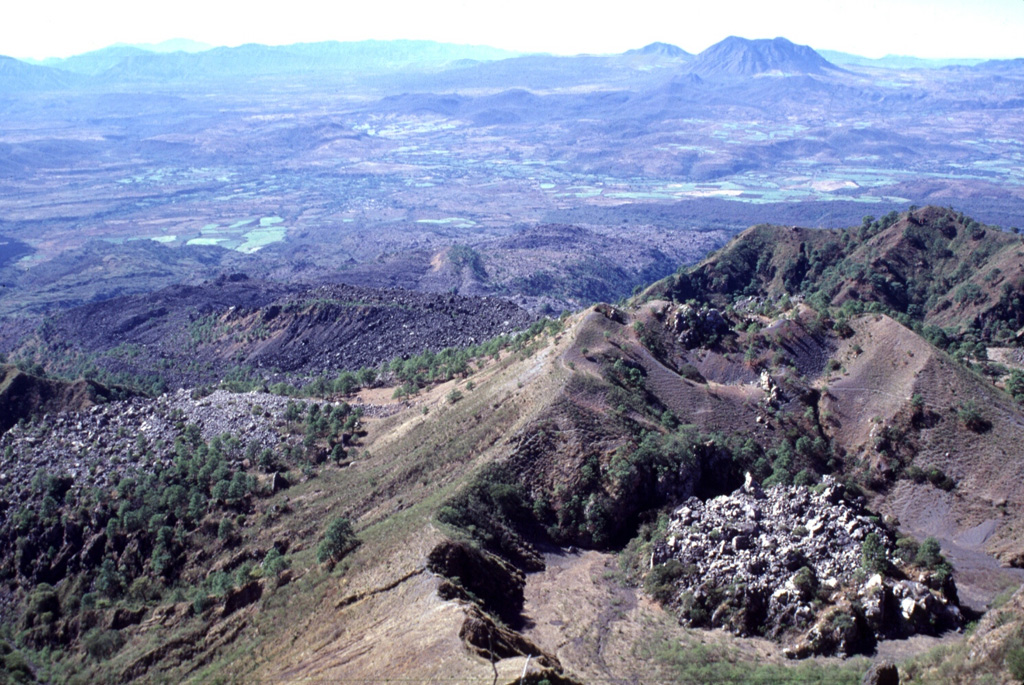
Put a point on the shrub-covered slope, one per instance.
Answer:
(936, 266)
(165, 539)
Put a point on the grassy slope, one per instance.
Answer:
(383, 614)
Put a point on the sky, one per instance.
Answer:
(992, 29)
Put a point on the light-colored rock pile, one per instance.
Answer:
(770, 562)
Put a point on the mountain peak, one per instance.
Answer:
(737, 56)
(661, 50)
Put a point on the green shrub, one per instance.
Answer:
(274, 562)
(971, 416)
(201, 601)
(338, 453)
(690, 373)
(907, 548)
(872, 555)
(339, 539)
(102, 644)
(89, 600)
(660, 581)
(226, 530)
(16, 667)
(805, 582)
(1015, 662)
(109, 581)
(929, 554)
(1015, 385)
(805, 477)
(243, 574)
(42, 603)
(940, 480)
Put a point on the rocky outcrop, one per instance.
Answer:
(882, 673)
(766, 562)
(694, 326)
(105, 442)
(474, 574)
(58, 457)
(240, 597)
(491, 587)
(123, 617)
(494, 642)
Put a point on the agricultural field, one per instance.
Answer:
(322, 176)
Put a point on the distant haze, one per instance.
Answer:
(871, 28)
(172, 45)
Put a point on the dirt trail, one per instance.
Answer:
(575, 609)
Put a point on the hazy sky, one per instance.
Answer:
(936, 28)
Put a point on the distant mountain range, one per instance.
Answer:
(97, 61)
(172, 45)
(895, 61)
(16, 75)
(1002, 65)
(183, 61)
(146, 62)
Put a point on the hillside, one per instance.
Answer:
(661, 50)
(935, 266)
(17, 76)
(738, 448)
(127, 63)
(24, 396)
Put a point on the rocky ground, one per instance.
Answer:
(191, 335)
(765, 562)
(110, 441)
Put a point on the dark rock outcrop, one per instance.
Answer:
(883, 673)
(491, 641)
(242, 597)
(473, 573)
